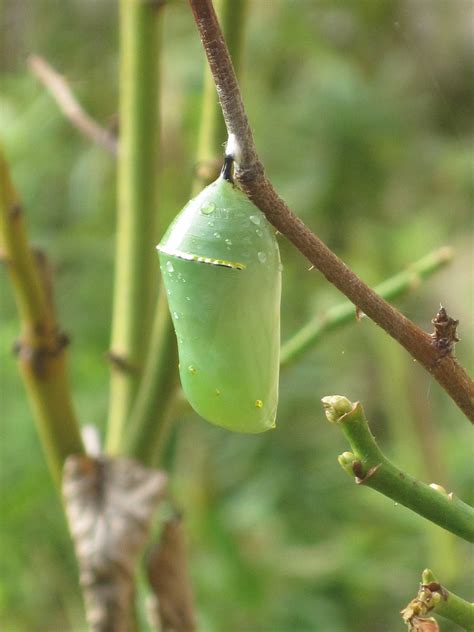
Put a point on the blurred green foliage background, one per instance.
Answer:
(362, 112)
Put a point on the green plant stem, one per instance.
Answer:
(373, 469)
(344, 313)
(213, 133)
(457, 610)
(41, 349)
(413, 436)
(147, 424)
(135, 282)
(433, 598)
(154, 408)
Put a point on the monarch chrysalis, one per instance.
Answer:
(221, 268)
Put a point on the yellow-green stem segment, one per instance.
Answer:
(136, 265)
(150, 414)
(41, 348)
(344, 313)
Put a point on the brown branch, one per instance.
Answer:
(72, 110)
(251, 176)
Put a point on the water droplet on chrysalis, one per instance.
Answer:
(217, 235)
(208, 209)
(228, 242)
(255, 219)
(259, 232)
(169, 266)
(262, 257)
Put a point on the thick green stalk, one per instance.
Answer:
(342, 314)
(135, 281)
(150, 417)
(41, 349)
(212, 132)
(371, 468)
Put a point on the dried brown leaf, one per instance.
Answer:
(421, 624)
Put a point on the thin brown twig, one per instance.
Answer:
(59, 89)
(251, 176)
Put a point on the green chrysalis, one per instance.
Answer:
(221, 268)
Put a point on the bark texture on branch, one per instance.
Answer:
(251, 176)
(110, 503)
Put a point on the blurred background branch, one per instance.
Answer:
(345, 313)
(61, 92)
